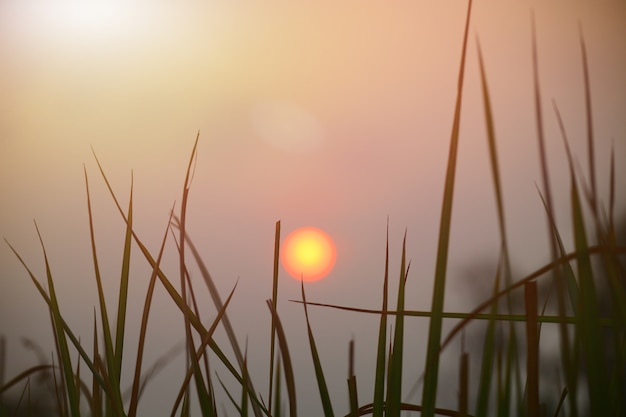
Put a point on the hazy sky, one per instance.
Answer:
(326, 114)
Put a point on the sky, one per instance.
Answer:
(335, 115)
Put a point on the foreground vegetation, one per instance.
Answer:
(586, 287)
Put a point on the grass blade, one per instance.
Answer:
(379, 382)
(123, 294)
(284, 351)
(109, 351)
(274, 301)
(394, 389)
(319, 373)
(429, 395)
(134, 398)
(62, 346)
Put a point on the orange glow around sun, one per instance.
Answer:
(308, 253)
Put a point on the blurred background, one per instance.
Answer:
(335, 115)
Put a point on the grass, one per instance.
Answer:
(587, 284)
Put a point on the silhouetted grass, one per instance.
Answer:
(592, 342)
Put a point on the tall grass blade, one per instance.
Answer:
(588, 313)
(394, 390)
(378, 404)
(62, 346)
(286, 360)
(134, 398)
(123, 294)
(429, 394)
(109, 352)
(319, 373)
(274, 301)
(185, 239)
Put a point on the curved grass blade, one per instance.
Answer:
(284, 351)
(319, 373)
(25, 374)
(60, 337)
(429, 394)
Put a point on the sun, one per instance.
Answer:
(308, 253)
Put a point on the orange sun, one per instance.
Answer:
(308, 253)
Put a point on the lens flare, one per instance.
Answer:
(308, 253)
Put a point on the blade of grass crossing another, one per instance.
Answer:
(590, 335)
(109, 352)
(429, 394)
(62, 346)
(134, 398)
(171, 290)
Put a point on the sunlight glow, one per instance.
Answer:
(308, 253)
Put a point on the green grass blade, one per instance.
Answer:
(286, 360)
(589, 332)
(319, 373)
(569, 362)
(123, 293)
(109, 351)
(62, 346)
(379, 382)
(394, 390)
(429, 395)
(274, 301)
